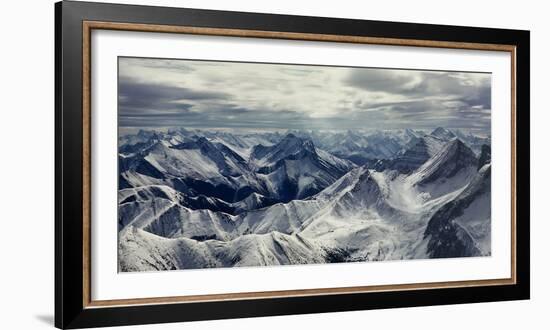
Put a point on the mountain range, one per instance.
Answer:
(205, 198)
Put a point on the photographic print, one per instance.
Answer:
(227, 164)
(215, 164)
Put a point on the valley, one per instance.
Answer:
(204, 198)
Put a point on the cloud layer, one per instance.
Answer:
(203, 94)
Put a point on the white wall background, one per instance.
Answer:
(27, 162)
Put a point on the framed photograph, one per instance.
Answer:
(214, 164)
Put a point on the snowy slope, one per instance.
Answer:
(295, 169)
(142, 251)
(443, 134)
(199, 199)
(462, 227)
(446, 171)
(422, 149)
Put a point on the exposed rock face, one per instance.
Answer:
(443, 133)
(485, 156)
(461, 227)
(292, 168)
(192, 199)
(295, 169)
(454, 157)
(424, 148)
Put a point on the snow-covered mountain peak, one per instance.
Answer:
(462, 227)
(148, 134)
(292, 142)
(446, 171)
(443, 133)
(459, 152)
(410, 132)
(196, 199)
(412, 158)
(200, 143)
(290, 145)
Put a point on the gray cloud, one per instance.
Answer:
(146, 104)
(138, 94)
(155, 93)
(417, 84)
(379, 80)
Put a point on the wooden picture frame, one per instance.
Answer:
(74, 306)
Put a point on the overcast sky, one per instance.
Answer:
(204, 94)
